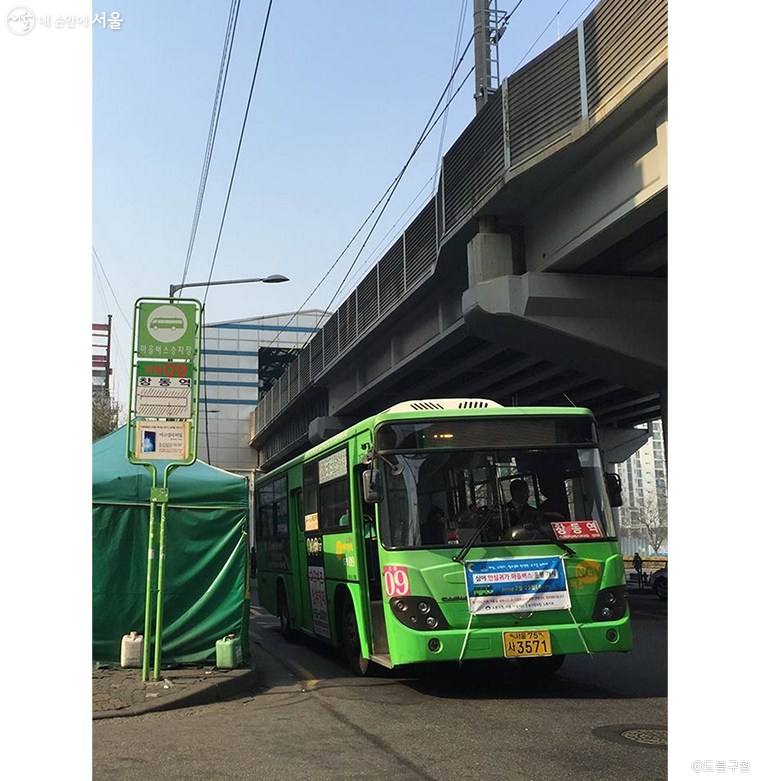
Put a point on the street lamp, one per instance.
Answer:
(271, 279)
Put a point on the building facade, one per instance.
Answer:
(644, 480)
(239, 358)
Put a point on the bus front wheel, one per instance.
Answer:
(541, 666)
(352, 646)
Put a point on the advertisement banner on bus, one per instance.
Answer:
(319, 601)
(516, 585)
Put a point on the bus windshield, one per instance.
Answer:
(437, 498)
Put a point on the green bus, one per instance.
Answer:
(445, 530)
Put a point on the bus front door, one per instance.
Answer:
(300, 568)
(374, 579)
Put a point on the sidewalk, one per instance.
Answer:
(118, 692)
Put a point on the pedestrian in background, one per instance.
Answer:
(638, 564)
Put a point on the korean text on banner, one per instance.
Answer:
(516, 585)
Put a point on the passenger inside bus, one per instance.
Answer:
(525, 521)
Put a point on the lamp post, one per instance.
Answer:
(271, 279)
(173, 289)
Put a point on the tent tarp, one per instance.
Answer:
(115, 480)
(207, 548)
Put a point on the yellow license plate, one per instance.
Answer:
(535, 643)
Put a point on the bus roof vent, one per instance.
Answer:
(421, 405)
(477, 404)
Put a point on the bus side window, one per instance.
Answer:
(334, 504)
(272, 530)
(310, 490)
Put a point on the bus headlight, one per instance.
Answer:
(611, 604)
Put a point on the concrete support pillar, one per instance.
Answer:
(610, 326)
(491, 254)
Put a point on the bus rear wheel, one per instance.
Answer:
(352, 646)
(541, 666)
(283, 611)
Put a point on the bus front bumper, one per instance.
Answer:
(410, 646)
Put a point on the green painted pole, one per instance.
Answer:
(162, 496)
(148, 589)
(160, 592)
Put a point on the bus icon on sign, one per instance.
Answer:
(167, 322)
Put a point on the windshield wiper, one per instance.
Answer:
(489, 515)
(466, 547)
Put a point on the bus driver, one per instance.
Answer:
(519, 511)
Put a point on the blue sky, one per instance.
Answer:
(342, 94)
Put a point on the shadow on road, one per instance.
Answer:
(641, 673)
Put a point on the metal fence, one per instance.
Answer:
(536, 107)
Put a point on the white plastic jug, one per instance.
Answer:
(131, 650)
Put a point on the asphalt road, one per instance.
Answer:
(314, 720)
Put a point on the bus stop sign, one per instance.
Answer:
(167, 331)
(163, 405)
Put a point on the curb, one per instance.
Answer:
(202, 694)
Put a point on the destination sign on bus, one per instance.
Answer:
(485, 432)
(577, 530)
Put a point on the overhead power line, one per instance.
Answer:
(386, 196)
(239, 146)
(229, 39)
(421, 141)
(439, 155)
(381, 247)
(119, 354)
(559, 11)
(582, 13)
(115, 297)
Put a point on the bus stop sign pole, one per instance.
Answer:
(162, 425)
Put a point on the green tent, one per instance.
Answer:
(206, 578)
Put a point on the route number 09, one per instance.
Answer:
(167, 369)
(396, 581)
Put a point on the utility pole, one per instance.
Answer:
(108, 359)
(490, 24)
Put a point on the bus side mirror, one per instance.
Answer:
(614, 489)
(372, 483)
